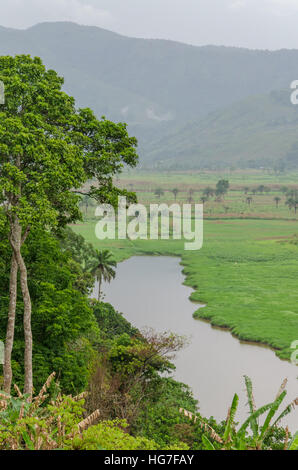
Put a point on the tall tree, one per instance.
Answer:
(292, 203)
(175, 191)
(208, 192)
(261, 189)
(103, 268)
(222, 188)
(249, 200)
(63, 325)
(159, 192)
(48, 150)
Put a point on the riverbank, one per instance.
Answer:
(246, 274)
(213, 362)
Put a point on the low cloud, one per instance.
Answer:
(151, 114)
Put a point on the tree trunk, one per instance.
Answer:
(99, 289)
(28, 383)
(16, 241)
(7, 370)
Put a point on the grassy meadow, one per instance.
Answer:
(243, 185)
(246, 272)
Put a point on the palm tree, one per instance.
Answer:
(208, 192)
(277, 201)
(292, 200)
(249, 200)
(159, 192)
(102, 268)
(175, 191)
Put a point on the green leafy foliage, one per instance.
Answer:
(46, 422)
(102, 267)
(263, 437)
(42, 130)
(111, 435)
(110, 322)
(294, 443)
(64, 327)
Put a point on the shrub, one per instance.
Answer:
(112, 435)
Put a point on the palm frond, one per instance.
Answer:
(294, 443)
(231, 418)
(252, 406)
(275, 405)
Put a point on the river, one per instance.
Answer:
(150, 293)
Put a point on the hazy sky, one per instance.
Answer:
(263, 24)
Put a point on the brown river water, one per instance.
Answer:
(149, 291)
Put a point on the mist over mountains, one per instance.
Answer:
(190, 107)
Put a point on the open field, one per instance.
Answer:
(246, 271)
(208, 177)
(244, 199)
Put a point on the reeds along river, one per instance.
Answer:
(150, 293)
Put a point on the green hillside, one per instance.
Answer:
(260, 131)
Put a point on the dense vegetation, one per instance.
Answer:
(103, 384)
(126, 404)
(92, 348)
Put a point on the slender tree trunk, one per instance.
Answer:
(7, 370)
(99, 289)
(16, 241)
(28, 384)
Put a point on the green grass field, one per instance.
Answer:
(240, 178)
(234, 204)
(246, 271)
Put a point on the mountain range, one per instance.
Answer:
(188, 106)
